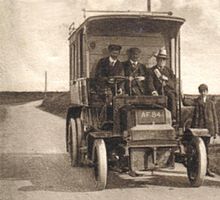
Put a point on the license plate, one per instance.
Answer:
(150, 116)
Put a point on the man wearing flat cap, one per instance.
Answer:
(109, 66)
(161, 81)
(136, 72)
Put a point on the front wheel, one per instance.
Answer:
(196, 161)
(100, 163)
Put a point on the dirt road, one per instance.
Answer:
(34, 165)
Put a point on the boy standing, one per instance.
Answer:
(205, 117)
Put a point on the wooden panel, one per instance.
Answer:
(78, 92)
(153, 134)
(148, 41)
(74, 94)
(137, 159)
(101, 43)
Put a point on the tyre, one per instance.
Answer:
(72, 142)
(196, 161)
(100, 163)
(80, 134)
(67, 133)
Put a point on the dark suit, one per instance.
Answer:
(154, 84)
(137, 87)
(205, 115)
(104, 70)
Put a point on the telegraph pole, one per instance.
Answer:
(45, 87)
(148, 5)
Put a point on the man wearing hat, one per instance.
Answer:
(161, 81)
(109, 66)
(136, 72)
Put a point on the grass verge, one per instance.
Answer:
(56, 104)
(19, 97)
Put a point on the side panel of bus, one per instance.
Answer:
(78, 70)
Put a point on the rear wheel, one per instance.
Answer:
(67, 135)
(79, 131)
(100, 163)
(72, 142)
(196, 161)
(68, 121)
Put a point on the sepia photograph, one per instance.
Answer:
(111, 99)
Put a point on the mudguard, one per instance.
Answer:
(74, 111)
(197, 132)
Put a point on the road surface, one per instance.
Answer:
(34, 166)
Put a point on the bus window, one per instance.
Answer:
(72, 62)
(81, 56)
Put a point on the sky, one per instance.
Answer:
(33, 39)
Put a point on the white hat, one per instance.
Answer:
(162, 54)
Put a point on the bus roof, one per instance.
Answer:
(148, 16)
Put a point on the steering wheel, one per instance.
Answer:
(116, 79)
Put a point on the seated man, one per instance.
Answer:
(161, 81)
(109, 66)
(136, 72)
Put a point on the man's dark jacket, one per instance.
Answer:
(205, 116)
(154, 83)
(138, 87)
(104, 68)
